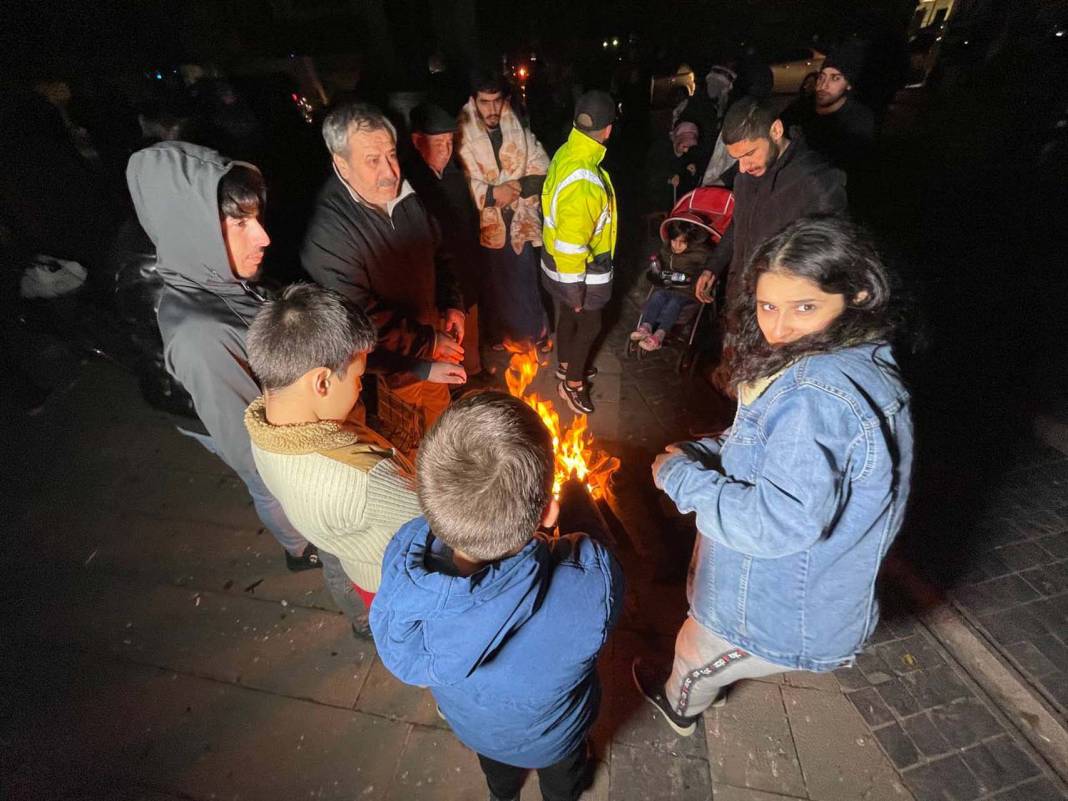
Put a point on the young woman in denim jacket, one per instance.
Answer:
(798, 502)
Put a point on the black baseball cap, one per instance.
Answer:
(594, 110)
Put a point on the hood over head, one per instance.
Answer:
(436, 629)
(174, 186)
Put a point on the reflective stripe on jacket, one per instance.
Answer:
(579, 233)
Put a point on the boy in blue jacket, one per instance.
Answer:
(502, 622)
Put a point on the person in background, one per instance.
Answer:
(505, 167)
(673, 167)
(691, 158)
(441, 185)
(202, 213)
(701, 109)
(753, 79)
(341, 485)
(502, 622)
(835, 124)
(718, 85)
(372, 239)
(581, 217)
(799, 501)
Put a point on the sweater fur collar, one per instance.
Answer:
(300, 438)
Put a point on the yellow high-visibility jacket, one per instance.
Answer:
(579, 232)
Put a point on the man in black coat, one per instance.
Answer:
(372, 239)
(442, 186)
(835, 124)
(779, 181)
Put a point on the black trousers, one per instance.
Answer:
(575, 335)
(561, 781)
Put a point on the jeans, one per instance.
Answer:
(342, 590)
(663, 307)
(562, 781)
(575, 335)
(706, 664)
(268, 509)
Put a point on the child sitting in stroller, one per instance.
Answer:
(685, 251)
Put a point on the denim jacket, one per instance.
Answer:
(797, 504)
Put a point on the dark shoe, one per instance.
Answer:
(309, 560)
(649, 685)
(561, 372)
(361, 630)
(578, 398)
(493, 797)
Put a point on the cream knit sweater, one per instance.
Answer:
(341, 486)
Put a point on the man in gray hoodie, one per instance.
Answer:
(201, 210)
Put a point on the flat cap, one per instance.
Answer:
(427, 118)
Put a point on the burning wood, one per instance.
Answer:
(576, 454)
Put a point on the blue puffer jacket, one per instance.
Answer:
(509, 652)
(797, 505)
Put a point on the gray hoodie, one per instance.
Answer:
(204, 311)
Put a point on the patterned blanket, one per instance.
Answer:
(521, 155)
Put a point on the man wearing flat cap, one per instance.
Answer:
(440, 183)
(579, 208)
(835, 124)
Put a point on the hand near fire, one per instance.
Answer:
(446, 349)
(447, 373)
(455, 321)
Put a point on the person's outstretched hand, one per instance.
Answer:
(447, 349)
(447, 373)
(455, 320)
(703, 288)
(670, 452)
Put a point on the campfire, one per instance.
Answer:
(576, 454)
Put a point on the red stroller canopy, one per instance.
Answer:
(710, 207)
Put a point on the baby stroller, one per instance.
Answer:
(711, 208)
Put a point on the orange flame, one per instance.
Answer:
(576, 453)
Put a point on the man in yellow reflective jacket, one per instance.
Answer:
(579, 242)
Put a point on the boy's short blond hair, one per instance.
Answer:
(484, 475)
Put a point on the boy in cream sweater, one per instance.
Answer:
(340, 484)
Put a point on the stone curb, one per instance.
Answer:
(1010, 694)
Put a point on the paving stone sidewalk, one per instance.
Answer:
(158, 649)
(1016, 591)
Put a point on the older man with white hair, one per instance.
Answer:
(372, 239)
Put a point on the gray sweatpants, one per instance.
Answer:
(704, 665)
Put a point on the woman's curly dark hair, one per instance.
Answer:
(839, 258)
